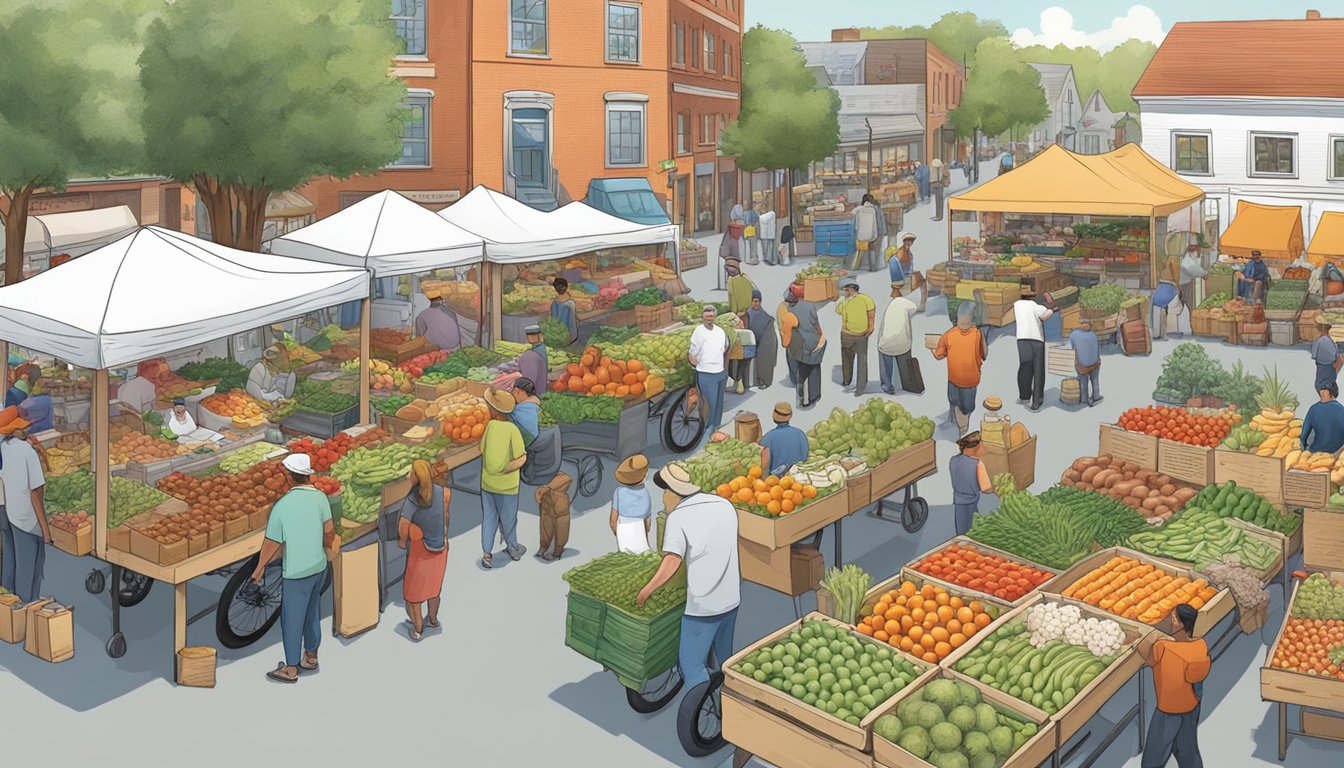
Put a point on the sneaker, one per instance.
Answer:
(1097, 399)
(1034, 408)
(1022, 401)
(518, 553)
(889, 391)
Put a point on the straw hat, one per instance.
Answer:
(676, 479)
(432, 293)
(633, 470)
(993, 403)
(499, 400)
(783, 412)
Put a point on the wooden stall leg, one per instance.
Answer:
(1283, 731)
(179, 622)
(839, 559)
(740, 757)
(1143, 713)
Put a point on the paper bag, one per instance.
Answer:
(355, 580)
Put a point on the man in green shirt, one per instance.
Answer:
(739, 287)
(300, 522)
(502, 456)
(857, 314)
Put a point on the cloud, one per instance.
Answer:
(1057, 28)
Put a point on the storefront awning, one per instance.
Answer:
(386, 234)
(1273, 230)
(1123, 182)
(55, 233)
(1328, 240)
(887, 129)
(156, 291)
(288, 205)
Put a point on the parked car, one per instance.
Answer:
(629, 199)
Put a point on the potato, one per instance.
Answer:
(1167, 489)
(1131, 501)
(1131, 467)
(1113, 479)
(1089, 475)
(1073, 475)
(1104, 460)
(1081, 465)
(1150, 504)
(1126, 487)
(1163, 511)
(1142, 491)
(1184, 495)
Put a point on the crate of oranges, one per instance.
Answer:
(926, 620)
(778, 511)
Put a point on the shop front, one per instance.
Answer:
(704, 197)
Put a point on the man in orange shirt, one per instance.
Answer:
(1179, 668)
(964, 348)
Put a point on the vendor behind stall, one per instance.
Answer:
(785, 445)
(270, 379)
(564, 309)
(25, 379)
(1253, 279)
(183, 427)
(438, 324)
(37, 410)
(532, 363)
(1323, 427)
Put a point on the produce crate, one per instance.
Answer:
(1282, 333)
(1227, 328)
(692, 258)
(903, 468)
(323, 425)
(79, 543)
(859, 488)
(1133, 447)
(778, 532)
(1263, 474)
(756, 729)
(968, 542)
(1306, 327)
(1291, 687)
(1018, 460)
(1323, 539)
(792, 710)
(654, 317)
(1306, 489)
(1033, 753)
(1276, 540)
(993, 605)
(1059, 360)
(149, 549)
(434, 391)
(403, 351)
(1188, 463)
(621, 439)
(205, 462)
(636, 649)
(617, 318)
(821, 289)
(151, 473)
(1214, 611)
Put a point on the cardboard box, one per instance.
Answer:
(355, 586)
(1019, 461)
(1306, 489)
(1323, 539)
(1128, 446)
(793, 571)
(51, 631)
(821, 289)
(196, 667)
(150, 549)
(778, 532)
(13, 619)
(756, 729)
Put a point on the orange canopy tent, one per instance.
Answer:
(1273, 230)
(1327, 244)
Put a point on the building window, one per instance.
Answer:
(710, 60)
(1273, 154)
(622, 33)
(527, 23)
(728, 59)
(683, 133)
(695, 48)
(1336, 157)
(625, 134)
(706, 128)
(679, 43)
(409, 18)
(415, 136)
(1190, 153)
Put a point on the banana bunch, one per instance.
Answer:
(1282, 431)
(1310, 462)
(1337, 472)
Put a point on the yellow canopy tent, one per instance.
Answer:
(1327, 244)
(1273, 230)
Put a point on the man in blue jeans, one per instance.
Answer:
(1087, 362)
(701, 531)
(709, 356)
(300, 522)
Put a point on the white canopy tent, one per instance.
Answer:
(386, 234)
(602, 230)
(512, 231)
(117, 305)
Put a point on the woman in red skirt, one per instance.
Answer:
(423, 533)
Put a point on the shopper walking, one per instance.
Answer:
(1325, 353)
(895, 340)
(502, 456)
(937, 182)
(301, 523)
(913, 278)
(922, 181)
(766, 232)
(708, 355)
(1029, 317)
(857, 314)
(553, 517)
(1087, 362)
(784, 446)
(751, 224)
(965, 350)
(422, 530)
(879, 246)
(23, 516)
(786, 321)
(632, 507)
(1191, 270)
(740, 287)
(730, 249)
(762, 326)
(970, 481)
(807, 345)
(1180, 666)
(865, 235)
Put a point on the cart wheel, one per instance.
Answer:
(95, 582)
(914, 513)
(590, 475)
(700, 720)
(683, 423)
(656, 693)
(247, 611)
(116, 646)
(134, 588)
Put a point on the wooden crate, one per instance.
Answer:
(692, 258)
(757, 730)
(903, 468)
(860, 490)
(78, 543)
(967, 542)
(655, 317)
(993, 605)
(1059, 360)
(403, 351)
(1188, 463)
(1201, 322)
(856, 737)
(778, 532)
(1289, 687)
(1283, 333)
(1323, 539)
(1128, 446)
(149, 549)
(792, 570)
(821, 289)
(1306, 489)
(1263, 474)
(1276, 540)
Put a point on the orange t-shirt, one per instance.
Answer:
(965, 353)
(787, 322)
(1176, 668)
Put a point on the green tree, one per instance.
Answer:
(69, 101)
(249, 97)
(1002, 92)
(956, 34)
(787, 119)
(1120, 69)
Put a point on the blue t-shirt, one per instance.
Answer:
(1085, 347)
(787, 445)
(894, 267)
(429, 519)
(633, 503)
(1323, 428)
(528, 418)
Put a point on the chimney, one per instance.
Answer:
(1313, 15)
(846, 35)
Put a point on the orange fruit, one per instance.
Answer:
(908, 623)
(965, 614)
(940, 634)
(943, 598)
(724, 490)
(745, 495)
(786, 506)
(953, 627)
(956, 602)
(982, 620)
(915, 633)
(928, 642)
(881, 608)
(763, 498)
(928, 592)
(969, 630)
(907, 588)
(906, 644)
(976, 607)
(864, 629)
(931, 657)
(892, 627)
(957, 640)
(809, 492)
(754, 472)
(773, 507)
(881, 636)
(942, 649)
(917, 615)
(945, 613)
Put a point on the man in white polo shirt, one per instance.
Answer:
(1029, 317)
(708, 354)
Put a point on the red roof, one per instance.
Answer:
(1297, 58)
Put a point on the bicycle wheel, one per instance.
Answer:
(590, 475)
(700, 719)
(134, 588)
(656, 693)
(914, 513)
(246, 613)
(684, 421)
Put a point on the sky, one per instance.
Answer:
(1102, 24)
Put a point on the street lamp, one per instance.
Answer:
(869, 124)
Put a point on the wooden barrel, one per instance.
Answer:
(1069, 391)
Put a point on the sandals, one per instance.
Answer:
(432, 623)
(517, 555)
(485, 561)
(280, 676)
(308, 663)
(415, 636)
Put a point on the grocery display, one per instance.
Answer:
(874, 432)
(233, 403)
(1203, 538)
(565, 408)
(1313, 635)
(616, 579)
(323, 397)
(392, 403)
(218, 496)
(247, 456)
(1042, 533)
(67, 493)
(1179, 424)
(948, 723)
(227, 374)
(1135, 590)
(127, 498)
(770, 495)
(555, 356)
(142, 448)
(598, 374)
(70, 452)
(1103, 479)
(985, 572)
(831, 669)
(1231, 500)
(721, 461)
(925, 620)
(848, 586)
(366, 469)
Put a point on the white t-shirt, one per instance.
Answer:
(21, 474)
(895, 336)
(709, 346)
(702, 531)
(1028, 315)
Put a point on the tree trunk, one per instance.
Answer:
(16, 229)
(218, 207)
(251, 216)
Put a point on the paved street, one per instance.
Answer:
(497, 686)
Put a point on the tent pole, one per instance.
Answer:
(493, 279)
(102, 471)
(1152, 252)
(4, 363)
(365, 355)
